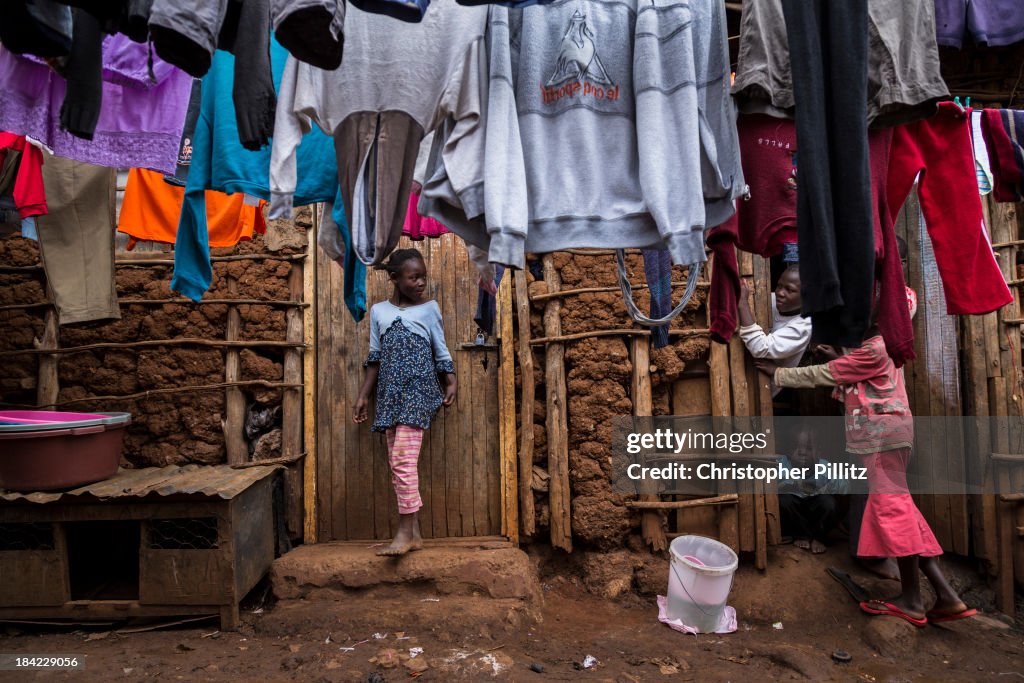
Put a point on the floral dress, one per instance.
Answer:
(409, 345)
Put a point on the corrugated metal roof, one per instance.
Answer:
(207, 480)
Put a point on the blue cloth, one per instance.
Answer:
(219, 162)
(409, 345)
(486, 304)
(658, 271)
(411, 11)
(28, 229)
(790, 252)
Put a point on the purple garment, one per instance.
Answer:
(140, 122)
(990, 22)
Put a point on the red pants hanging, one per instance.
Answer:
(940, 149)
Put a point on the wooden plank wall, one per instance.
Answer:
(459, 465)
(933, 387)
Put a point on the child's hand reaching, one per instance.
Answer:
(359, 410)
(768, 367)
(826, 351)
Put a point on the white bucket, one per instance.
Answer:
(699, 580)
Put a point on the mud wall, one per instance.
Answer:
(598, 378)
(173, 422)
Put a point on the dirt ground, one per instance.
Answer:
(791, 619)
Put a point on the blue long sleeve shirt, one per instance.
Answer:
(219, 162)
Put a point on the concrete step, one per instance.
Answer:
(336, 570)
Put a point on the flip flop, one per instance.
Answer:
(941, 616)
(856, 591)
(878, 607)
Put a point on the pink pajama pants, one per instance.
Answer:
(403, 454)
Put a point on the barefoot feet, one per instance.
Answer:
(406, 539)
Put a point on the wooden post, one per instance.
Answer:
(527, 513)
(721, 406)
(507, 412)
(234, 422)
(48, 382)
(763, 392)
(309, 487)
(292, 424)
(560, 498)
(643, 406)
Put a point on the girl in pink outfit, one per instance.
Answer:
(879, 428)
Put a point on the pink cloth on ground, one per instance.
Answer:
(416, 226)
(726, 624)
(892, 525)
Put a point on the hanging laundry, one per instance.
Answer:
(139, 127)
(180, 177)
(982, 163)
(76, 240)
(186, 33)
(150, 209)
(378, 130)
(828, 46)
(21, 175)
(39, 27)
(904, 81)
(989, 22)
(765, 224)
(418, 227)
(487, 303)
(310, 29)
(410, 11)
(658, 271)
(585, 74)
(999, 128)
(940, 150)
(220, 163)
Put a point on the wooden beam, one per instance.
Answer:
(623, 332)
(309, 436)
(234, 399)
(559, 493)
(594, 290)
(527, 513)
(507, 412)
(48, 383)
(292, 424)
(727, 499)
(212, 343)
(643, 406)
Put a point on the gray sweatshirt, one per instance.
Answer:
(608, 124)
(397, 81)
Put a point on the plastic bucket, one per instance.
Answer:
(699, 580)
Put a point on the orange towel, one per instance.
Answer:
(151, 207)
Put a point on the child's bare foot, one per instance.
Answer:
(802, 543)
(883, 567)
(817, 547)
(407, 538)
(909, 607)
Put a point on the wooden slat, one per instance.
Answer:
(651, 527)
(48, 383)
(748, 511)
(558, 429)
(528, 515)
(769, 500)
(721, 406)
(461, 516)
(292, 424)
(507, 412)
(309, 376)
(234, 422)
(331, 422)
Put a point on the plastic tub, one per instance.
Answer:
(59, 451)
(699, 580)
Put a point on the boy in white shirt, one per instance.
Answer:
(790, 334)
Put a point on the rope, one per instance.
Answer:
(627, 293)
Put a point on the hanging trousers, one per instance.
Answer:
(828, 48)
(403, 454)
